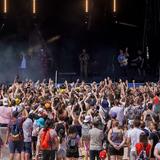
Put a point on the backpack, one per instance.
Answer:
(60, 129)
(45, 140)
(105, 108)
(72, 145)
(106, 114)
(16, 131)
(85, 130)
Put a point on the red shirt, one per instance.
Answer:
(156, 100)
(140, 147)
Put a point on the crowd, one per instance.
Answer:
(80, 121)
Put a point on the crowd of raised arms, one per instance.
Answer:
(108, 120)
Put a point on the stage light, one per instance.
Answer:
(114, 6)
(34, 6)
(86, 9)
(5, 6)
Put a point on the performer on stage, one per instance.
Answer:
(138, 63)
(23, 66)
(123, 62)
(44, 62)
(84, 58)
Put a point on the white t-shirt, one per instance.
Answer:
(134, 136)
(115, 109)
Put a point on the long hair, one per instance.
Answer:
(72, 129)
(144, 139)
(48, 124)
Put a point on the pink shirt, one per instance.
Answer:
(5, 115)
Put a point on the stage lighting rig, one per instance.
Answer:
(5, 7)
(4, 12)
(114, 6)
(86, 6)
(34, 7)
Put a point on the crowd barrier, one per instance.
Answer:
(129, 84)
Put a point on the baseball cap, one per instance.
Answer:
(131, 122)
(40, 110)
(87, 119)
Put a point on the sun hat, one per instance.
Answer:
(40, 112)
(48, 105)
(40, 122)
(17, 101)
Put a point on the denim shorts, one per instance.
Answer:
(15, 146)
(27, 147)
